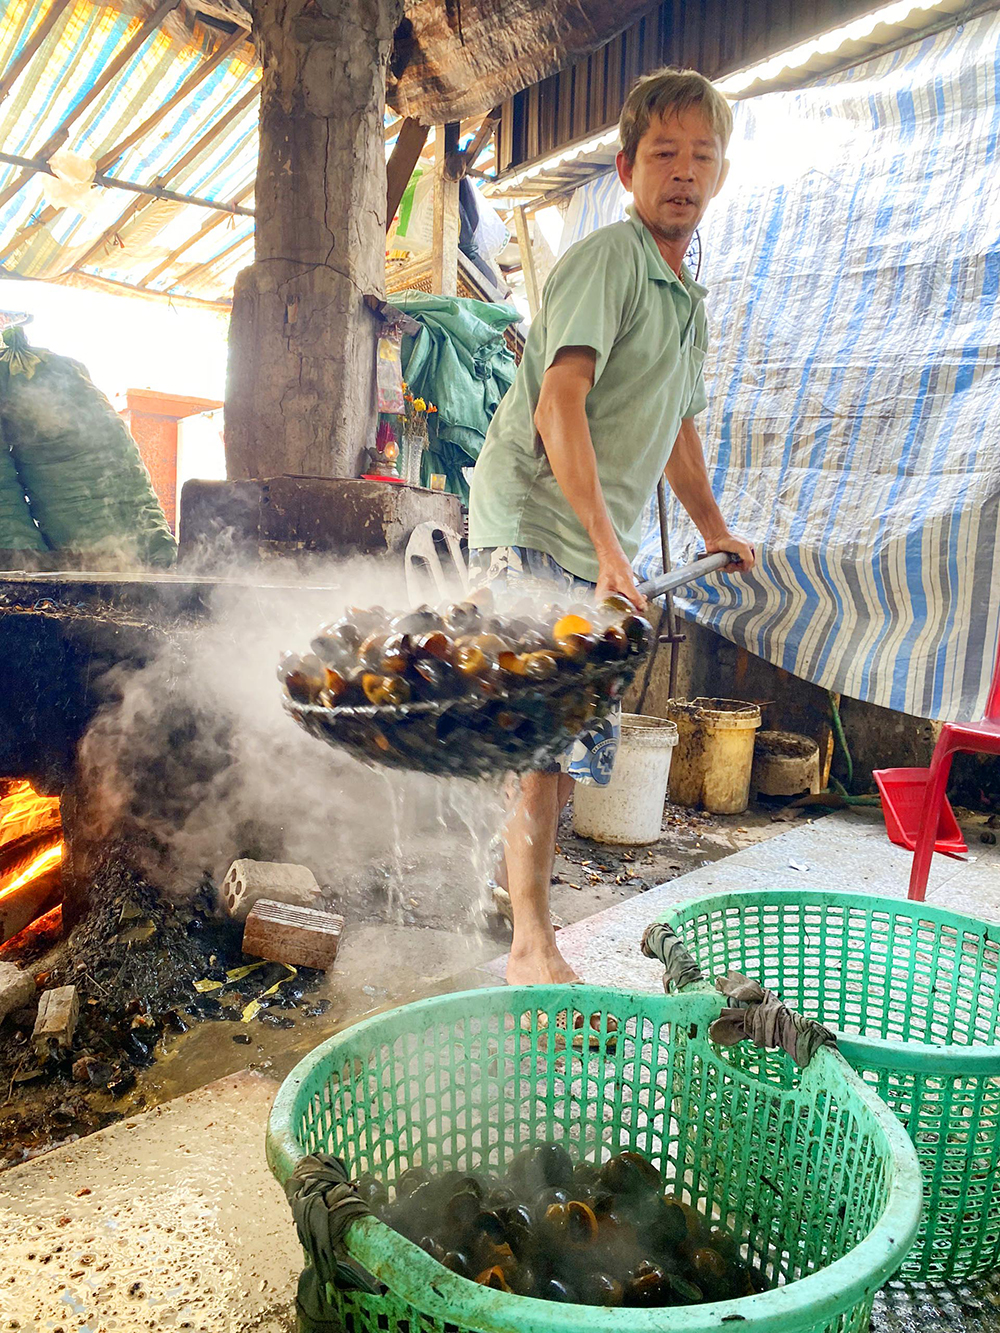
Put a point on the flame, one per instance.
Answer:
(23, 812)
(43, 861)
(26, 814)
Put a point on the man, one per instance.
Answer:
(603, 403)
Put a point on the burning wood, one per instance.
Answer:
(31, 850)
(24, 814)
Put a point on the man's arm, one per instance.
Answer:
(687, 477)
(561, 421)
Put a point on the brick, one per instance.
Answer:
(17, 989)
(299, 936)
(58, 1011)
(247, 881)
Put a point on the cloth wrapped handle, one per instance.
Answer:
(754, 1014)
(661, 941)
(324, 1203)
(758, 1015)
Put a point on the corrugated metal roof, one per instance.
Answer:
(204, 144)
(579, 106)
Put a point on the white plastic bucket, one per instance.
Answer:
(629, 810)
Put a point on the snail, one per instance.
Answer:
(568, 1231)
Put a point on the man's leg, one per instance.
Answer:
(529, 850)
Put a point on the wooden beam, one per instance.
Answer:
(31, 47)
(203, 230)
(399, 168)
(116, 183)
(195, 269)
(196, 78)
(113, 285)
(444, 252)
(527, 260)
(393, 127)
(484, 133)
(190, 156)
(59, 137)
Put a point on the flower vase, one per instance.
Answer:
(415, 440)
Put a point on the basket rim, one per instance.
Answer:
(419, 1280)
(981, 1060)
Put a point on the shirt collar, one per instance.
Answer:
(657, 267)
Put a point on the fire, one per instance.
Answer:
(43, 862)
(23, 813)
(30, 836)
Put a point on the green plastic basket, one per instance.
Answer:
(819, 1181)
(914, 995)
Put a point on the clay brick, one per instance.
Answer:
(300, 936)
(17, 989)
(247, 882)
(58, 1011)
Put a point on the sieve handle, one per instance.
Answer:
(661, 941)
(676, 578)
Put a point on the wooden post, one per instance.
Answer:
(527, 260)
(444, 255)
(300, 396)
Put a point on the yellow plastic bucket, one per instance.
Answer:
(713, 760)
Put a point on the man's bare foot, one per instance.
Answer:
(548, 968)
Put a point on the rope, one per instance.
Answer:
(680, 969)
(758, 1015)
(324, 1203)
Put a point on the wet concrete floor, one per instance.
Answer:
(183, 1226)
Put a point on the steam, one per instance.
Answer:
(194, 762)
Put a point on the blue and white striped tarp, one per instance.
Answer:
(853, 429)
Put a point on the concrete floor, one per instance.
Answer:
(171, 1220)
(844, 851)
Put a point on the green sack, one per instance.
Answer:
(17, 531)
(87, 486)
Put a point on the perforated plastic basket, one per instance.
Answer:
(819, 1180)
(914, 992)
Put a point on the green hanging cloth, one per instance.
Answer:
(461, 363)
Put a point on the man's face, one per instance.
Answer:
(679, 166)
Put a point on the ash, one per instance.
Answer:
(134, 960)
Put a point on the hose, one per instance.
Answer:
(838, 731)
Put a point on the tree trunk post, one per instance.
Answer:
(300, 389)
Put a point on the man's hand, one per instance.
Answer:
(736, 546)
(614, 575)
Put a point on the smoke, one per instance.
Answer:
(193, 762)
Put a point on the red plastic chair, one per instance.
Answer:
(966, 737)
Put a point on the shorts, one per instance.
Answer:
(523, 571)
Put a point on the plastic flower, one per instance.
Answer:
(431, 407)
(419, 405)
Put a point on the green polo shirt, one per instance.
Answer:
(614, 292)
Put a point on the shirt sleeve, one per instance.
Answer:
(587, 302)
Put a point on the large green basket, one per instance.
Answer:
(819, 1181)
(914, 994)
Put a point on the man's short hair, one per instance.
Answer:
(672, 92)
